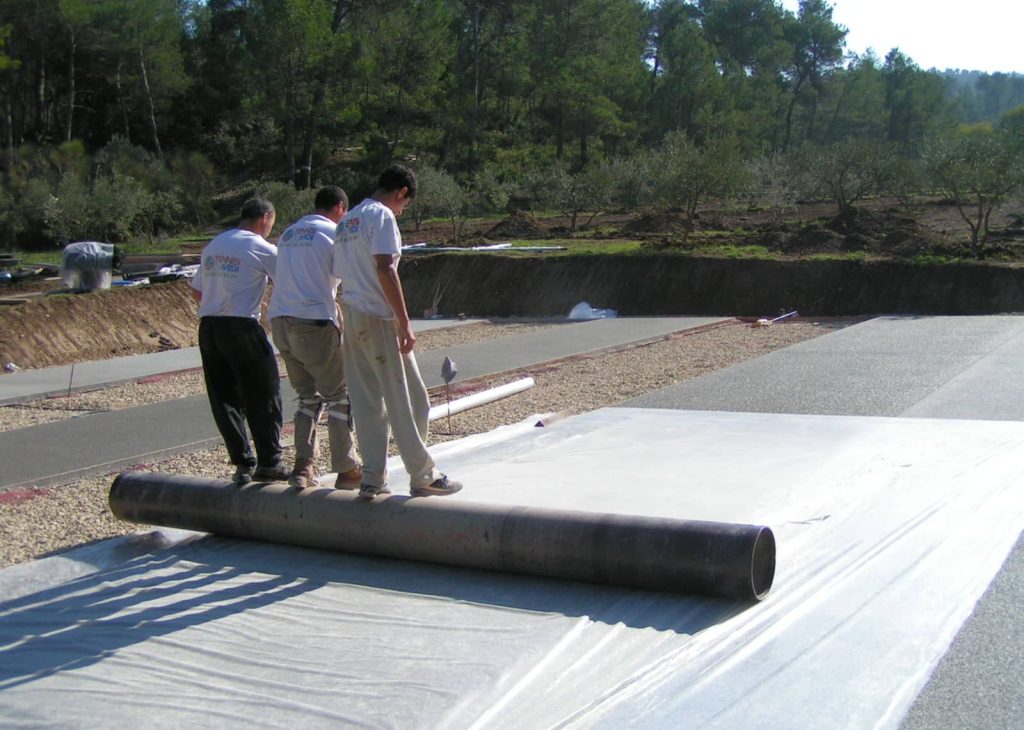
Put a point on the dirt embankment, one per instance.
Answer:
(62, 329)
(667, 284)
(57, 330)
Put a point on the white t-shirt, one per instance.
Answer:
(368, 230)
(304, 283)
(233, 275)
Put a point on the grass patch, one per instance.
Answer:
(845, 256)
(588, 246)
(27, 258)
(933, 259)
(733, 251)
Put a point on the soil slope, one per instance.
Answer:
(62, 329)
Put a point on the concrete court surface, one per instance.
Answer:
(910, 367)
(40, 382)
(63, 450)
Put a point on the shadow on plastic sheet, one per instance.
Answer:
(85, 620)
(635, 608)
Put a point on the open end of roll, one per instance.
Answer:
(762, 563)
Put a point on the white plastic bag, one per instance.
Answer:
(583, 311)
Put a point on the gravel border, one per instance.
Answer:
(156, 389)
(38, 522)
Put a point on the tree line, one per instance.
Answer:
(125, 118)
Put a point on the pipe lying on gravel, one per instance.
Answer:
(479, 399)
(733, 561)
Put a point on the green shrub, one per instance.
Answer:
(289, 204)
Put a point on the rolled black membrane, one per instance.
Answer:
(680, 556)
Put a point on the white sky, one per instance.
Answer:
(977, 35)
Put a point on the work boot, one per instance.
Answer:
(437, 488)
(275, 473)
(304, 474)
(352, 479)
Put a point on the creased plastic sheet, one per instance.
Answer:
(888, 531)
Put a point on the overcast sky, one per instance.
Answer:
(981, 35)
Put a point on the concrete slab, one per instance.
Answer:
(938, 367)
(41, 382)
(566, 339)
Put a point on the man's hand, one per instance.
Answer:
(406, 338)
(391, 285)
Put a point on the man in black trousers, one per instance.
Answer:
(239, 366)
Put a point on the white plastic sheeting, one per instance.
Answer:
(583, 311)
(888, 531)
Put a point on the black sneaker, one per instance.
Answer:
(437, 488)
(276, 473)
(369, 491)
(242, 476)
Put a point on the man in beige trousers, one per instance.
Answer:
(305, 324)
(385, 387)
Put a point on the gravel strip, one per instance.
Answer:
(183, 385)
(34, 523)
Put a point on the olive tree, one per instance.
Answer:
(290, 204)
(572, 193)
(770, 184)
(440, 194)
(846, 171)
(977, 168)
(686, 175)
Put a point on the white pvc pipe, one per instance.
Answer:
(482, 398)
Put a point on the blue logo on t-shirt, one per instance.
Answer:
(217, 264)
(298, 236)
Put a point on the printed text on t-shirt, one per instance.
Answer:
(218, 263)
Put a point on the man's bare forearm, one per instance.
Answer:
(391, 284)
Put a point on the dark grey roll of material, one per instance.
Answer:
(682, 556)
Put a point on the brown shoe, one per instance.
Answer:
(350, 479)
(304, 475)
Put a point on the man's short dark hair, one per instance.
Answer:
(329, 196)
(397, 177)
(255, 208)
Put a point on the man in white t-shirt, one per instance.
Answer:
(306, 329)
(239, 366)
(384, 383)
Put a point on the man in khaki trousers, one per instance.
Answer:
(385, 386)
(306, 328)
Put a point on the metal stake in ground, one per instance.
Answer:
(448, 372)
(67, 401)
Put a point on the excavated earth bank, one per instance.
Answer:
(504, 286)
(57, 330)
